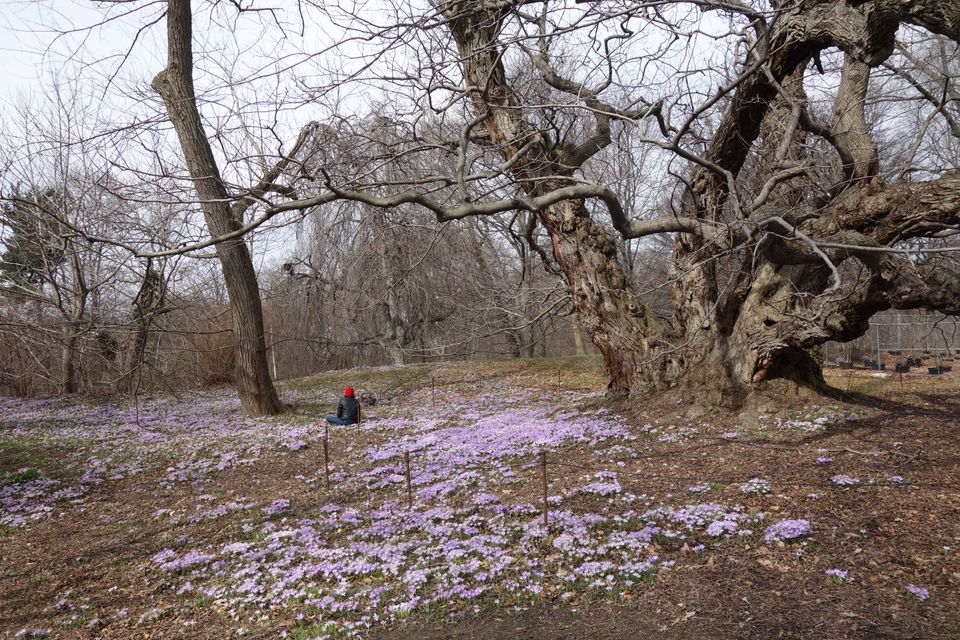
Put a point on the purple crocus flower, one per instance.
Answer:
(837, 575)
(278, 506)
(919, 593)
(844, 480)
(787, 530)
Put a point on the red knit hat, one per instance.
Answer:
(348, 392)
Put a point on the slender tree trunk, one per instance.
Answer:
(149, 300)
(515, 341)
(175, 85)
(71, 328)
(68, 369)
(397, 336)
(528, 329)
(542, 342)
(527, 343)
(132, 356)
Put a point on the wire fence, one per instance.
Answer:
(545, 463)
(935, 337)
(893, 338)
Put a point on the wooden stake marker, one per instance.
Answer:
(406, 461)
(543, 475)
(326, 461)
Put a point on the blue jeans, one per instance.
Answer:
(340, 421)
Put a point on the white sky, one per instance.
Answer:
(34, 52)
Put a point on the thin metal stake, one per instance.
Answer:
(326, 461)
(543, 476)
(433, 390)
(406, 460)
(878, 347)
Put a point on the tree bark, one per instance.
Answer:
(751, 317)
(72, 324)
(132, 356)
(148, 302)
(577, 330)
(68, 354)
(175, 85)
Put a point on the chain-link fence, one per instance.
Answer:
(900, 340)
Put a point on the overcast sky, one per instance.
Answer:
(33, 52)
(276, 61)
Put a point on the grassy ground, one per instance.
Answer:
(178, 517)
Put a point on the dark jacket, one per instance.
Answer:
(348, 408)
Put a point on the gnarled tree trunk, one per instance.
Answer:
(756, 285)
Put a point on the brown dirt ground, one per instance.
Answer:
(886, 536)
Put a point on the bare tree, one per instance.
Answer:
(149, 302)
(175, 84)
(768, 263)
(791, 214)
(50, 190)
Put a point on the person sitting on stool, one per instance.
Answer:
(348, 409)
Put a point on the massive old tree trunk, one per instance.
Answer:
(175, 85)
(756, 281)
(585, 251)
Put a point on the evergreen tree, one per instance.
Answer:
(32, 242)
